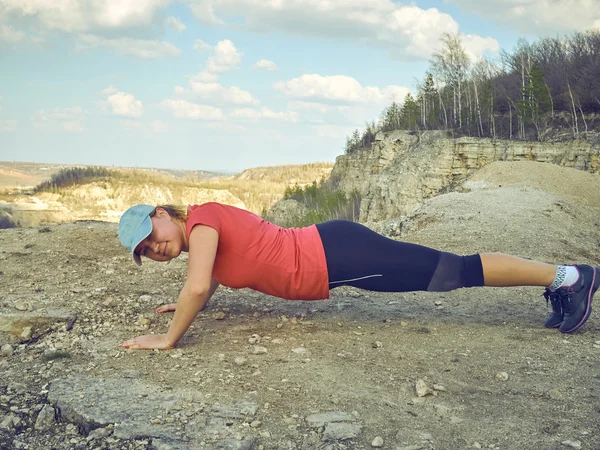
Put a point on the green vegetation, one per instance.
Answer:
(552, 84)
(71, 176)
(322, 204)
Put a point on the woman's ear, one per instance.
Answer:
(161, 213)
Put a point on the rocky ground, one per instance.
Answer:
(473, 368)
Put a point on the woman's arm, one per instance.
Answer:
(214, 284)
(195, 293)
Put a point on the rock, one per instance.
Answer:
(299, 350)
(376, 344)
(17, 328)
(7, 350)
(572, 444)
(338, 431)
(240, 360)
(254, 339)
(258, 350)
(319, 420)
(9, 422)
(134, 408)
(555, 394)
(45, 419)
(502, 376)
(377, 442)
(99, 433)
(422, 389)
(23, 306)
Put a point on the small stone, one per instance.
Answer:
(156, 421)
(299, 350)
(502, 376)
(7, 350)
(403, 324)
(438, 303)
(220, 315)
(555, 394)
(255, 423)
(422, 388)
(376, 344)
(377, 442)
(110, 302)
(22, 306)
(254, 339)
(143, 321)
(240, 360)
(572, 444)
(258, 350)
(476, 445)
(439, 387)
(45, 418)
(277, 341)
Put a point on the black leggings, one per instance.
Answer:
(357, 256)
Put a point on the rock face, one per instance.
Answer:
(401, 170)
(23, 327)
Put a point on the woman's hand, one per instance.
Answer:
(166, 308)
(148, 342)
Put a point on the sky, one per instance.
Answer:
(226, 85)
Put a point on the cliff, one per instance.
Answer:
(402, 170)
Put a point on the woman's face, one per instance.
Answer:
(166, 241)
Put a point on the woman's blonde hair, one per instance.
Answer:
(176, 212)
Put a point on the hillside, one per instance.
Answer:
(260, 372)
(105, 198)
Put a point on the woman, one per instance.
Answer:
(236, 248)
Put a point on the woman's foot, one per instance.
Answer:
(576, 300)
(556, 316)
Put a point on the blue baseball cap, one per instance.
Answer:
(135, 226)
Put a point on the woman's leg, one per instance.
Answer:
(502, 270)
(357, 256)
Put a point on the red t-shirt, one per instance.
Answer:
(284, 262)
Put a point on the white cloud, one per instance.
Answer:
(218, 93)
(204, 77)
(8, 126)
(541, 17)
(65, 119)
(175, 24)
(9, 34)
(339, 89)
(225, 57)
(264, 113)
(189, 110)
(308, 106)
(200, 45)
(109, 90)
(407, 31)
(85, 15)
(121, 103)
(265, 64)
(131, 47)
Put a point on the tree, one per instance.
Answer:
(451, 64)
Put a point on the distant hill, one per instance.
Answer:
(23, 175)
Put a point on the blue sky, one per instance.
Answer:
(230, 84)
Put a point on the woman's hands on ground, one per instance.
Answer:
(148, 342)
(166, 308)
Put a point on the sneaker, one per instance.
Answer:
(576, 299)
(555, 317)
